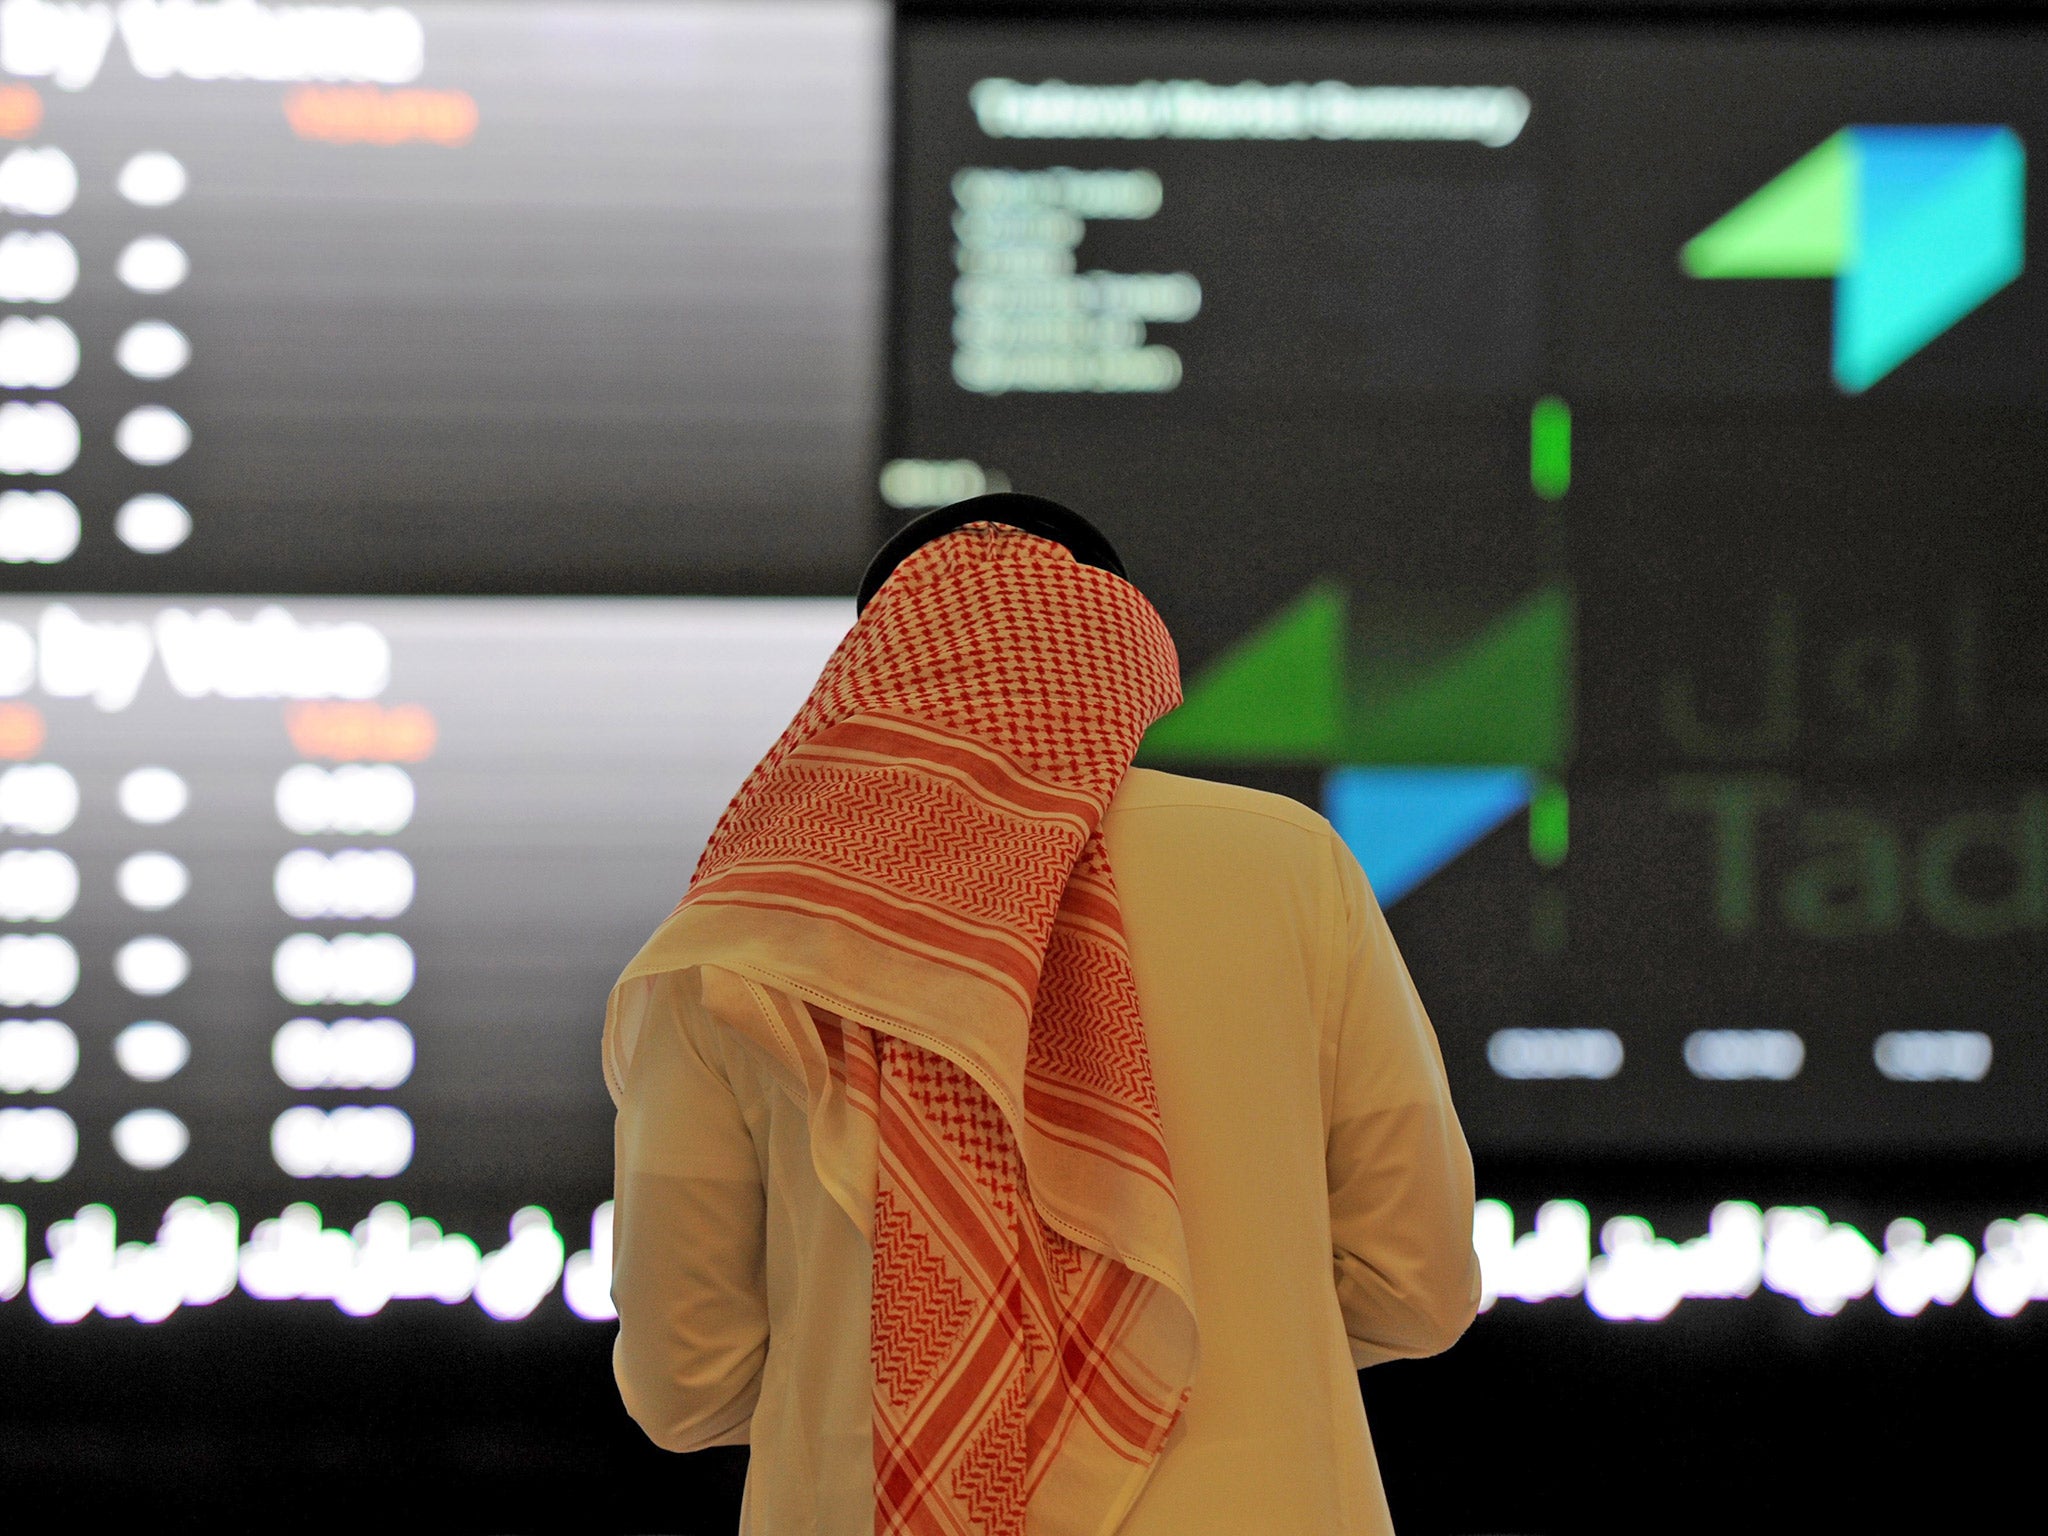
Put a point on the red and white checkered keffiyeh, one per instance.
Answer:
(909, 904)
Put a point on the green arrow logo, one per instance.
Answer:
(1406, 688)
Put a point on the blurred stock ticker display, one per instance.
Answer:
(311, 902)
(450, 298)
(1590, 466)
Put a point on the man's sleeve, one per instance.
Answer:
(1400, 1172)
(688, 1239)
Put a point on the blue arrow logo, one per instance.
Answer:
(1918, 226)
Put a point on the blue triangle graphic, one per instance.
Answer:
(1939, 228)
(1405, 824)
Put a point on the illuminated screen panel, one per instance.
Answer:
(493, 297)
(1600, 467)
(319, 901)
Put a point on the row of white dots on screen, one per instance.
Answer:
(43, 352)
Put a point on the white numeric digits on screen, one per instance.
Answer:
(319, 970)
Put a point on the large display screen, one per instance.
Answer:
(1601, 468)
(317, 903)
(1594, 467)
(446, 297)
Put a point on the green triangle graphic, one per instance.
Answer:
(1285, 694)
(1502, 697)
(1276, 695)
(1800, 223)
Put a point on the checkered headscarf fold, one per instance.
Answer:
(909, 907)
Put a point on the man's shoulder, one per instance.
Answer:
(1150, 791)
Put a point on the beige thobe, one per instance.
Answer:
(1323, 1179)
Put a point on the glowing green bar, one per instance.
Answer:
(1550, 447)
(1549, 825)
